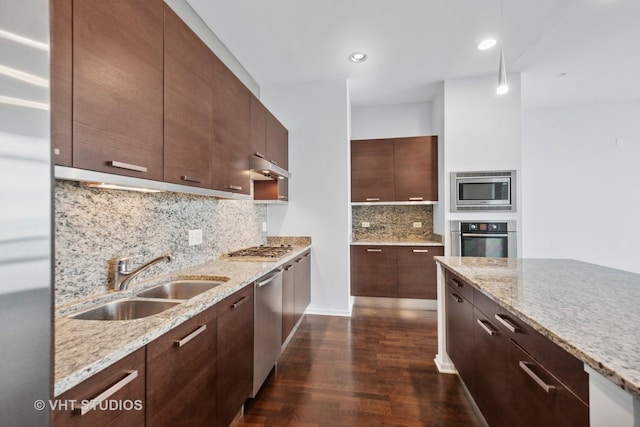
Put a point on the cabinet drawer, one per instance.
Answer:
(559, 362)
(126, 381)
(417, 275)
(539, 398)
(374, 271)
(460, 286)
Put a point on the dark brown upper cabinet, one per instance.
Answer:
(231, 121)
(277, 142)
(118, 87)
(188, 105)
(394, 170)
(258, 131)
(61, 81)
(372, 170)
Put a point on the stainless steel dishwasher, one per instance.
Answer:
(267, 326)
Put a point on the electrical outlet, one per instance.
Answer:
(195, 237)
(264, 227)
(417, 225)
(366, 224)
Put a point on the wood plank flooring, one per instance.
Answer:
(374, 369)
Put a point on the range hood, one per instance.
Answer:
(262, 169)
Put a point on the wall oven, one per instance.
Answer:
(483, 191)
(484, 239)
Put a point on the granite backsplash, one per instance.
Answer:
(392, 223)
(94, 226)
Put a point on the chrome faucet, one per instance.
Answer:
(122, 277)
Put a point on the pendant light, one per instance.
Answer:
(503, 86)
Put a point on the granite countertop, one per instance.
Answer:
(589, 310)
(396, 243)
(86, 347)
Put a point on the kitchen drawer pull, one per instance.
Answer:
(282, 197)
(299, 259)
(487, 329)
(238, 303)
(374, 250)
(192, 335)
(510, 326)
(288, 267)
(458, 284)
(372, 199)
(235, 187)
(307, 254)
(420, 251)
(127, 166)
(416, 199)
(259, 155)
(524, 365)
(457, 298)
(274, 162)
(95, 402)
(191, 179)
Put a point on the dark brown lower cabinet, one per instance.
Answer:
(235, 354)
(126, 379)
(288, 301)
(373, 271)
(417, 277)
(181, 374)
(516, 376)
(302, 285)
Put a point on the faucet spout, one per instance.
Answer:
(122, 277)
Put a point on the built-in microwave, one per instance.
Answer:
(483, 191)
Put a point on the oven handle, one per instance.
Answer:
(483, 235)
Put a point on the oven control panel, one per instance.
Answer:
(483, 227)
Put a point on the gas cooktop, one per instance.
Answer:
(260, 253)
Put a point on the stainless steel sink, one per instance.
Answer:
(127, 309)
(181, 289)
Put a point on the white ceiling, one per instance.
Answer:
(415, 44)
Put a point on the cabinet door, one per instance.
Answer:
(61, 81)
(491, 372)
(181, 374)
(540, 399)
(188, 105)
(372, 170)
(235, 354)
(302, 281)
(460, 327)
(231, 121)
(374, 271)
(417, 275)
(277, 142)
(288, 302)
(117, 87)
(416, 168)
(125, 379)
(258, 130)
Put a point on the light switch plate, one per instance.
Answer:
(417, 225)
(366, 224)
(195, 237)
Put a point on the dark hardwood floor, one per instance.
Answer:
(374, 369)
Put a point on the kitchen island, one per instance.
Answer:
(589, 311)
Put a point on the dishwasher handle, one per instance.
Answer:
(265, 281)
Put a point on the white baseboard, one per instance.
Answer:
(323, 312)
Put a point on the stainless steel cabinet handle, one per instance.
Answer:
(95, 402)
(483, 235)
(524, 365)
(274, 162)
(56, 151)
(456, 297)
(288, 267)
(127, 166)
(268, 280)
(487, 329)
(282, 197)
(235, 187)
(374, 250)
(510, 326)
(192, 335)
(415, 199)
(299, 259)
(191, 179)
(259, 155)
(372, 199)
(307, 254)
(420, 251)
(238, 303)
(458, 284)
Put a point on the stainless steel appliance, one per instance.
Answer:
(267, 318)
(261, 253)
(484, 239)
(25, 214)
(483, 191)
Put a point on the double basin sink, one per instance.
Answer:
(151, 301)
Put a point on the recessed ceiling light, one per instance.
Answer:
(487, 44)
(358, 57)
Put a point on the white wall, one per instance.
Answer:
(437, 121)
(482, 132)
(390, 121)
(317, 116)
(582, 191)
